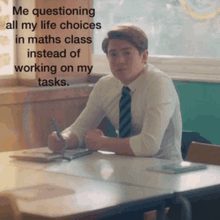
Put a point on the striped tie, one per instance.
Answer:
(125, 113)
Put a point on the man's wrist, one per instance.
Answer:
(102, 143)
(71, 140)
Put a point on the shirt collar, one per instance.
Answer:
(135, 84)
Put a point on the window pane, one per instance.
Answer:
(6, 39)
(171, 29)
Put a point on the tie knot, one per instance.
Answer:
(125, 90)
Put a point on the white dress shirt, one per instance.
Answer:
(155, 109)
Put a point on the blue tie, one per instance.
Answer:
(125, 113)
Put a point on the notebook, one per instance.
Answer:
(177, 167)
(45, 155)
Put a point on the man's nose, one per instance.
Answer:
(120, 59)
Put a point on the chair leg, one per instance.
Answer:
(152, 215)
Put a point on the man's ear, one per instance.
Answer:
(145, 56)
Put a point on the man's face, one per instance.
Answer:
(125, 62)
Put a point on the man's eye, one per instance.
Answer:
(127, 52)
(112, 54)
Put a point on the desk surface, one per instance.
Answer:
(124, 169)
(79, 197)
(120, 177)
(133, 170)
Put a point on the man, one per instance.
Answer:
(139, 100)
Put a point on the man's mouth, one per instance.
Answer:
(120, 69)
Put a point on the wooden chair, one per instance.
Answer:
(187, 138)
(204, 153)
(8, 207)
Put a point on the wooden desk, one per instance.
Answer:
(89, 199)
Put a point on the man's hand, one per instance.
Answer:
(54, 142)
(93, 139)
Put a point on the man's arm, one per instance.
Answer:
(95, 140)
(90, 117)
(161, 99)
(117, 145)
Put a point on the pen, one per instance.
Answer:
(58, 133)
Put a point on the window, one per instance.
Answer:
(184, 35)
(6, 39)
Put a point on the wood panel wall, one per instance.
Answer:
(27, 125)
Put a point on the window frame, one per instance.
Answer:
(180, 68)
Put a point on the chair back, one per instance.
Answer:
(187, 138)
(204, 153)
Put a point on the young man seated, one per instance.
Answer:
(139, 100)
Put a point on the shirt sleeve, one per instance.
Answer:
(161, 98)
(90, 117)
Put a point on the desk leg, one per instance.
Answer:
(186, 211)
(161, 214)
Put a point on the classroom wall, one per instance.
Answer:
(25, 119)
(200, 107)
